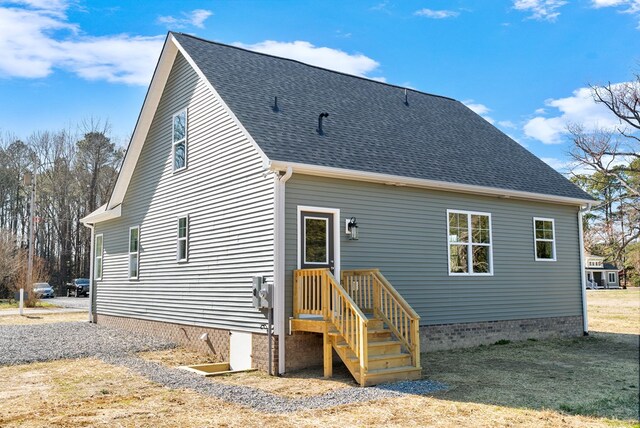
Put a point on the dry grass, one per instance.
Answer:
(43, 318)
(582, 382)
(614, 311)
(4, 305)
(81, 393)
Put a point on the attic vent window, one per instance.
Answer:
(322, 116)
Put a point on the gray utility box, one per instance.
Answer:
(261, 292)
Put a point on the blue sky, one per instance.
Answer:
(524, 65)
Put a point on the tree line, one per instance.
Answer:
(611, 157)
(72, 175)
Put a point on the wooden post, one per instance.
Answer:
(21, 305)
(415, 340)
(376, 296)
(327, 352)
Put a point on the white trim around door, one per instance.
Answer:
(336, 234)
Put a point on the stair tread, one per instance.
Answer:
(400, 369)
(381, 343)
(382, 356)
(371, 330)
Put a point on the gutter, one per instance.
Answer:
(583, 278)
(279, 259)
(92, 306)
(395, 180)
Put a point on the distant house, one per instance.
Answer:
(600, 274)
(388, 220)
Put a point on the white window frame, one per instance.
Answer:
(536, 239)
(470, 244)
(98, 275)
(615, 278)
(185, 239)
(131, 253)
(183, 140)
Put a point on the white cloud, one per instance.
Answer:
(578, 108)
(436, 14)
(36, 38)
(334, 59)
(194, 18)
(631, 7)
(541, 10)
(507, 124)
(480, 109)
(557, 164)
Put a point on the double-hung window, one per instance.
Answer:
(544, 239)
(182, 254)
(469, 243)
(97, 254)
(612, 278)
(179, 138)
(134, 251)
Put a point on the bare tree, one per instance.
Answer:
(614, 156)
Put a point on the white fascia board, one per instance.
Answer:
(149, 106)
(394, 180)
(216, 95)
(102, 214)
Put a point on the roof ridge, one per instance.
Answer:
(315, 66)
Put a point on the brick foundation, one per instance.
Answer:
(439, 337)
(305, 349)
(189, 337)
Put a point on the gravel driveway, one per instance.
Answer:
(20, 344)
(71, 302)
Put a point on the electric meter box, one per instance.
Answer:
(261, 292)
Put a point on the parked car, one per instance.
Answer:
(78, 287)
(43, 290)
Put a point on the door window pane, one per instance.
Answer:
(315, 236)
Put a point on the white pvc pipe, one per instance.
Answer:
(21, 305)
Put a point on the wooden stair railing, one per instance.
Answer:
(316, 292)
(372, 292)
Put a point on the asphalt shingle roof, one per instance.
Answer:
(369, 128)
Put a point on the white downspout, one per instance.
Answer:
(585, 322)
(91, 263)
(279, 259)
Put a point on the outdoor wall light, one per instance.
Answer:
(352, 229)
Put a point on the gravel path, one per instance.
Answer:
(264, 401)
(21, 344)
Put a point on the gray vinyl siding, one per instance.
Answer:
(403, 232)
(230, 206)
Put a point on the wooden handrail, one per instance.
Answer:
(316, 292)
(371, 288)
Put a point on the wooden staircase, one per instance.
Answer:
(382, 346)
